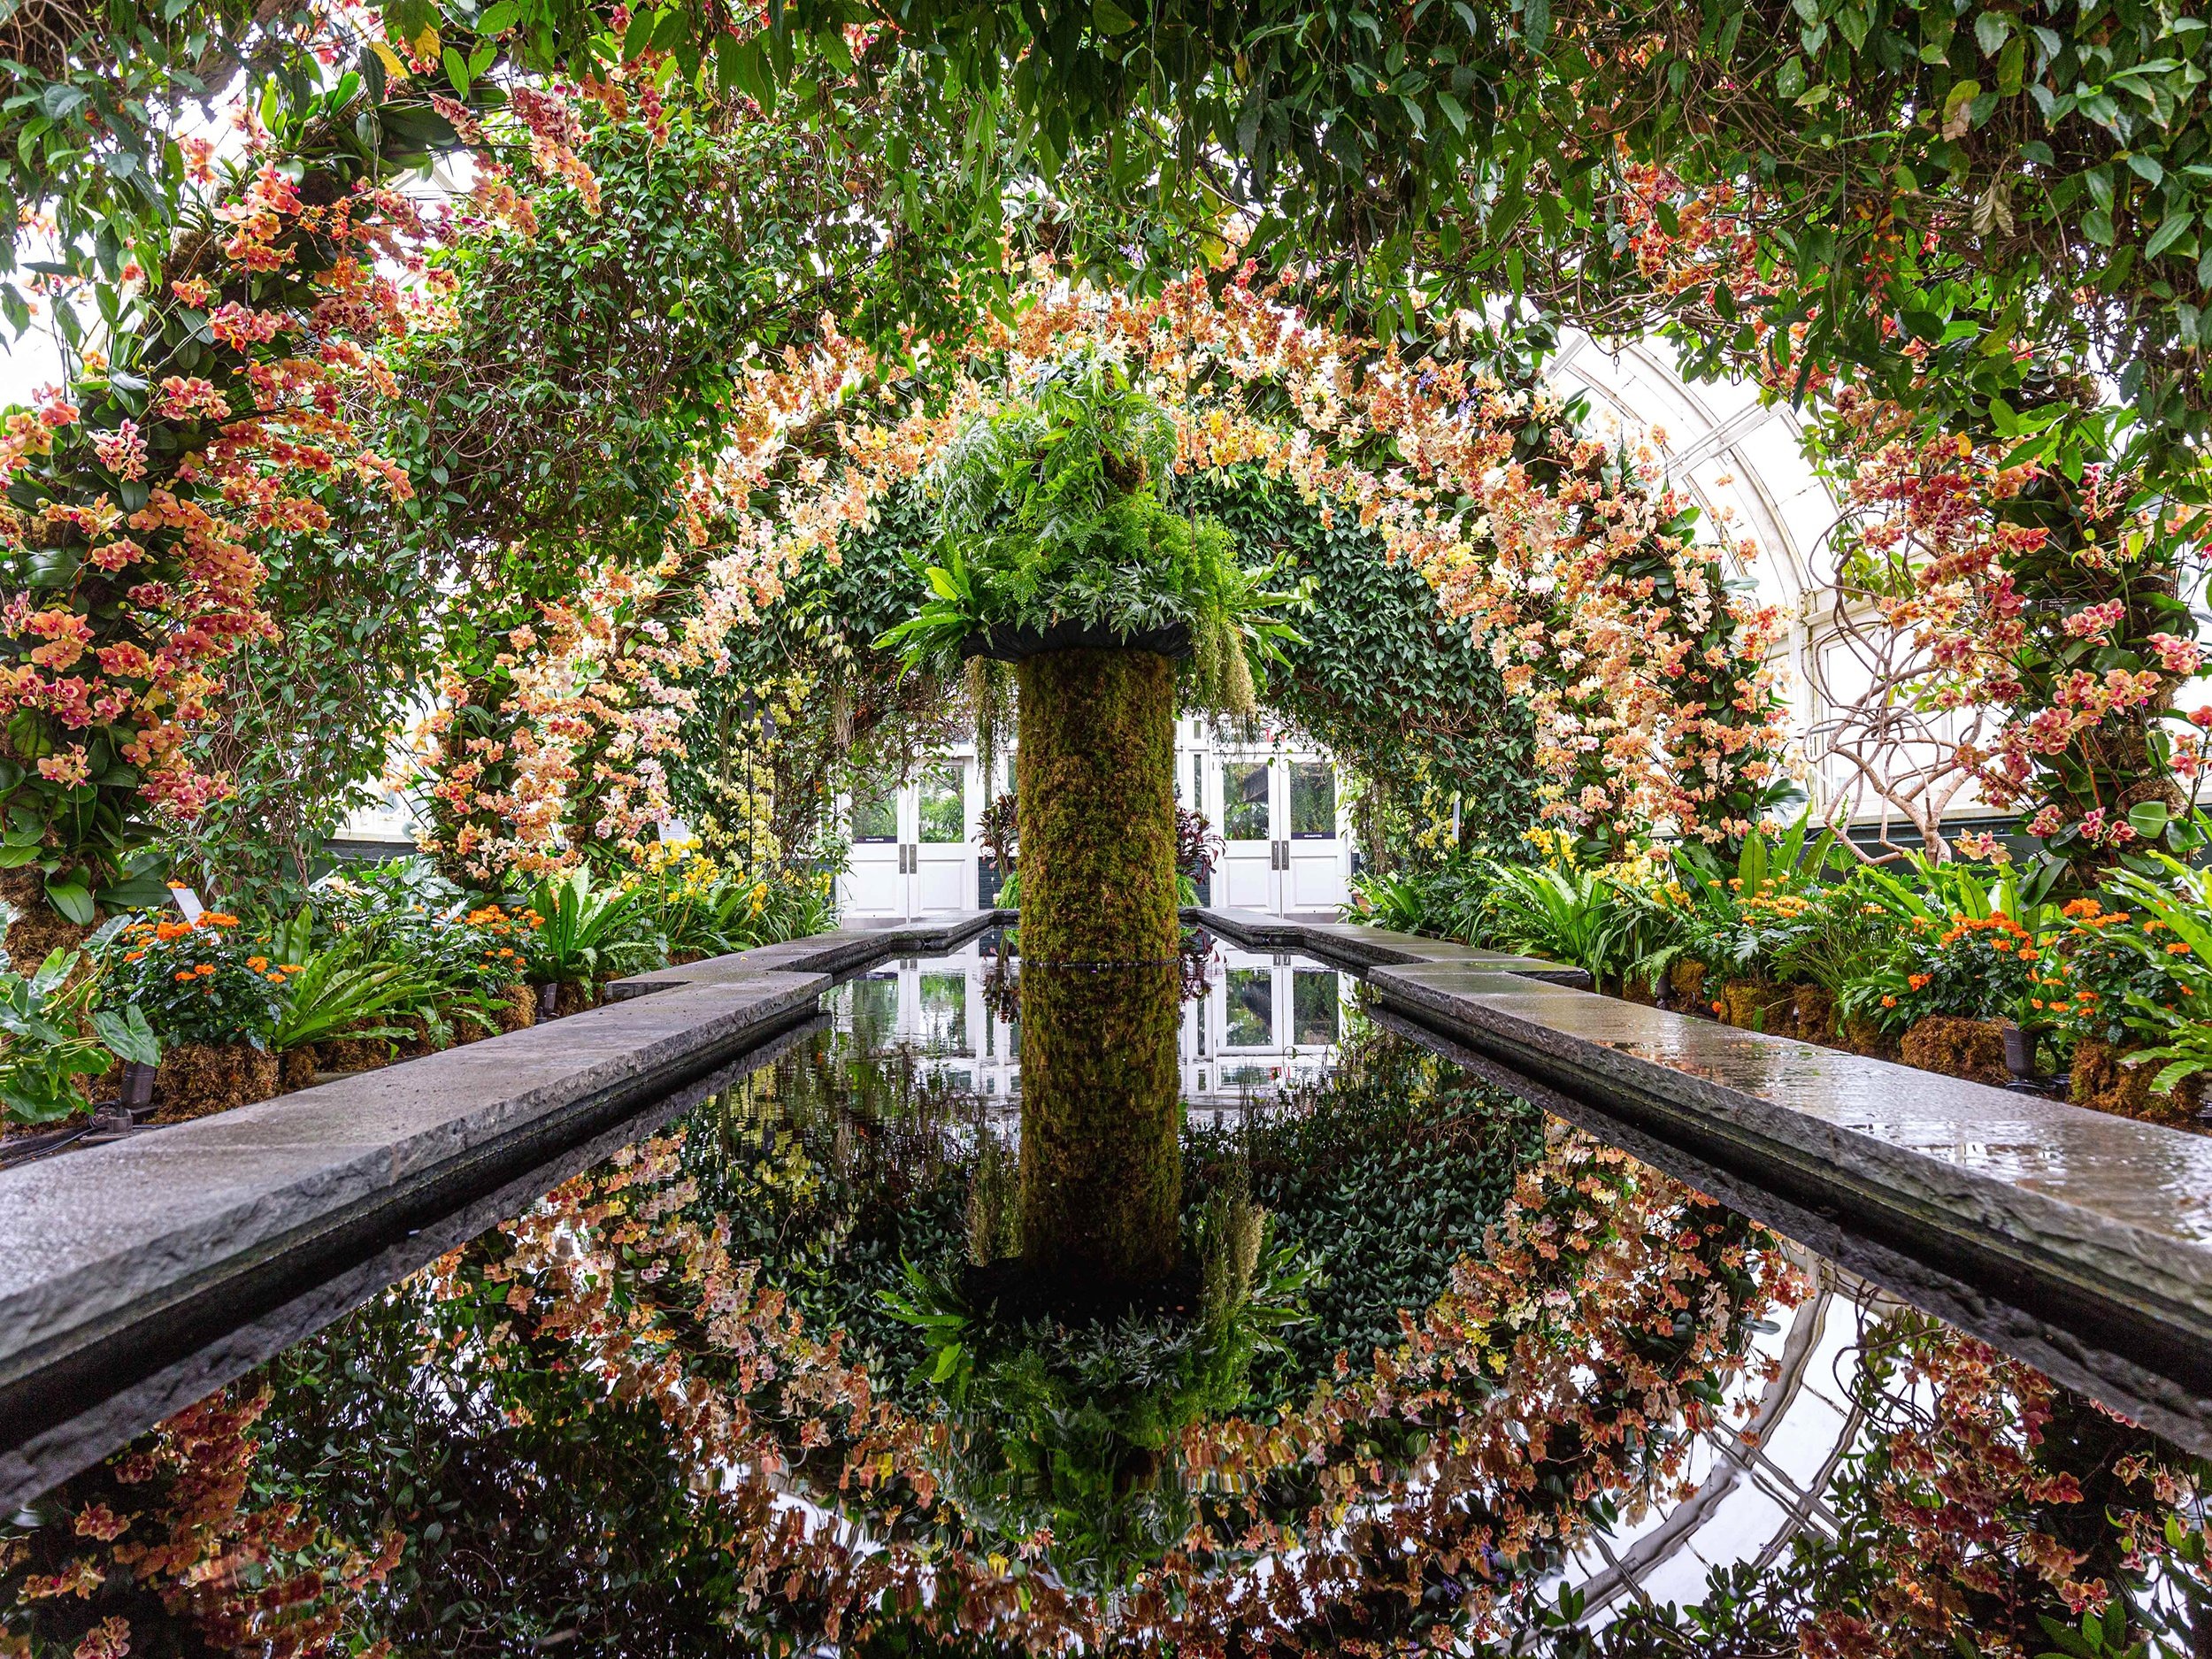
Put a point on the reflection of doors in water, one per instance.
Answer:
(1250, 1009)
(942, 1013)
(1313, 1007)
(874, 1016)
(1247, 835)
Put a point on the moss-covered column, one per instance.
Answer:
(1095, 781)
(1101, 1110)
(1101, 1171)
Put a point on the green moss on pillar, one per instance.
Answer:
(1102, 1172)
(1097, 784)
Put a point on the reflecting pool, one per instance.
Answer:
(941, 1333)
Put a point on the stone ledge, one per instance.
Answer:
(1350, 945)
(2098, 1227)
(116, 1260)
(854, 945)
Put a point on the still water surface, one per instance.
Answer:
(1355, 1354)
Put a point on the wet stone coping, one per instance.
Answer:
(2075, 1239)
(137, 1276)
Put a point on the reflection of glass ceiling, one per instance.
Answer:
(1759, 1477)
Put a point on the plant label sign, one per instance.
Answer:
(189, 903)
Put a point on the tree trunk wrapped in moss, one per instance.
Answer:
(1096, 787)
(1102, 1173)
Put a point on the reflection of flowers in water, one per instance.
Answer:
(622, 1333)
(1559, 1376)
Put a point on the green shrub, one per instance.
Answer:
(578, 933)
(1050, 512)
(45, 1048)
(338, 993)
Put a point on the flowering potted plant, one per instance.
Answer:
(2133, 990)
(1948, 987)
(212, 995)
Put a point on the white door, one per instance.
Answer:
(1248, 878)
(875, 880)
(1313, 853)
(912, 854)
(942, 863)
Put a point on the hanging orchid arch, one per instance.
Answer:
(1579, 568)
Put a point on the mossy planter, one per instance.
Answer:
(1758, 1005)
(1687, 979)
(38, 928)
(1096, 785)
(1861, 1035)
(355, 1054)
(1969, 1049)
(198, 1080)
(1101, 1174)
(573, 996)
(296, 1067)
(2101, 1079)
(1813, 1012)
(520, 1012)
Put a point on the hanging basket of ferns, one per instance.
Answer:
(1054, 536)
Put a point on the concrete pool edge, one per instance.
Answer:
(2099, 1226)
(121, 1261)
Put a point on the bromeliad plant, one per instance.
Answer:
(340, 992)
(1050, 515)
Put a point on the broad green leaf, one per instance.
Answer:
(2176, 226)
(72, 899)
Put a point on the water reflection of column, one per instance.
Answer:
(1101, 1175)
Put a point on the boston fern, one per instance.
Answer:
(1049, 513)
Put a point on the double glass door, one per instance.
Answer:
(1281, 849)
(912, 855)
